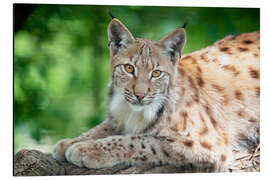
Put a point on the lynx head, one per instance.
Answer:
(143, 70)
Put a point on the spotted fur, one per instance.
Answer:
(194, 114)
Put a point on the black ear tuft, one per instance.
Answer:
(185, 25)
(110, 13)
(119, 36)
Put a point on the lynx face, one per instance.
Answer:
(142, 74)
(143, 70)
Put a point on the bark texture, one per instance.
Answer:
(36, 163)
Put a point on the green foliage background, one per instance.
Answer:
(61, 59)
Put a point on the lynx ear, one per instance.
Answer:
(174, 43)
(119, 36)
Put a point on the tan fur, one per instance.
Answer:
(203, 106)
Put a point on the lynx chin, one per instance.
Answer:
(165, 108)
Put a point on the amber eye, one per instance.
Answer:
(129, 68)
(156, 73)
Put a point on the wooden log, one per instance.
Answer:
(36, 163)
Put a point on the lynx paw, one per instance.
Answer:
(86, 154)
(60, 148)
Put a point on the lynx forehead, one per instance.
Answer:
(166, 109)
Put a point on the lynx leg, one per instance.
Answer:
(133, 150)
(101, 131)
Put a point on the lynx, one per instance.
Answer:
(167, 109)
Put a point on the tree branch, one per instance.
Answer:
(36, 163)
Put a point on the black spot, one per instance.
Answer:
(256, 54)
(238, 95)
(143, 146)
(170, 140)
(257, 91)
(254, 73)
(166, 153)
(188, 143)
(207, 109)
(200, 81)
(153, 150)
(243, 49)
(132, 137)
(144, 158)
(160, 111)
(224, 49)
(247, 42)
(252, 120)
(213, 121)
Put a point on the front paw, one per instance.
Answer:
(60, 148)
(86, 154)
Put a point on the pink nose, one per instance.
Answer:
(140, 95)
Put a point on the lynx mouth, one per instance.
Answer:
(137, 102)
(138, 106)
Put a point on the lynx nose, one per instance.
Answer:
(140, 95)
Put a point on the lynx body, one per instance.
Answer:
(168, 109)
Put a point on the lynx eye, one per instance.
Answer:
(156, 73)
(129, 68)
